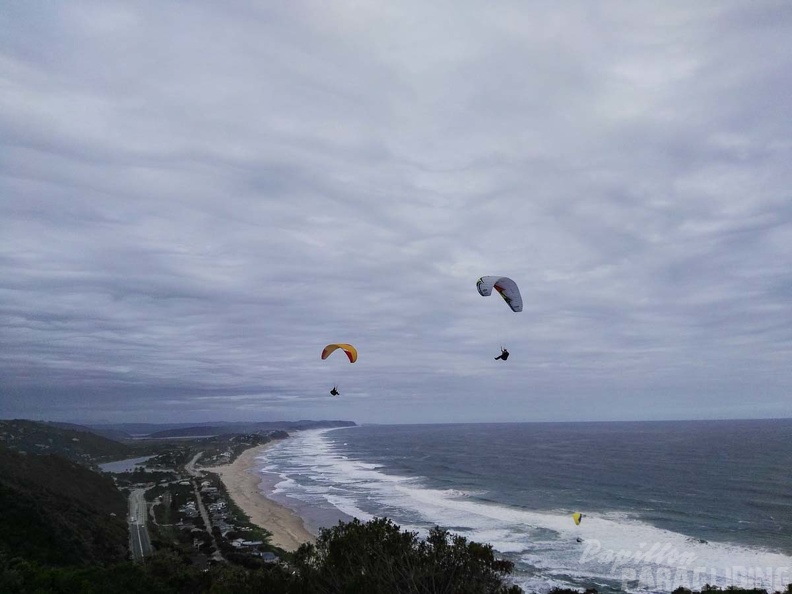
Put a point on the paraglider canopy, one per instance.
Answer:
(577, 516)
(505, 286)
(350, 351)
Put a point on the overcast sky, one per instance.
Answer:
(196, 197)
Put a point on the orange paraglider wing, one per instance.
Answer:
(350, 351)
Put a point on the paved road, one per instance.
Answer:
(139, 542)
(190, 466)
(196, 475)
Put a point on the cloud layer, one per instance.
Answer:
(197, 198)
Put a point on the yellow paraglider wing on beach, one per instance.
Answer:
(350, 351)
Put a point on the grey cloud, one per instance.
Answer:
(197, 199)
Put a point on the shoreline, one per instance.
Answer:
(242, 483)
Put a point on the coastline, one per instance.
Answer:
(242, 483)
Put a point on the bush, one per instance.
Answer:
(378, 558)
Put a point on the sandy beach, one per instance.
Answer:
(241, 482)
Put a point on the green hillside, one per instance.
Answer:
(83, 447)
(58, 512)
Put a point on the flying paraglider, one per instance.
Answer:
(505, 286)
(507, 289)
(577, 516)
(350, 351)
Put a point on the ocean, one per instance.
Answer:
(665, 504)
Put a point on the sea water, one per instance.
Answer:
(665, 504)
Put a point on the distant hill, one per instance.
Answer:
(72, 442)
(211, 429)
(226, 428)
(92, 444)
(57, 512)
(129, 431)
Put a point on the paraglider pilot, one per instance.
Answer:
(334, 391)
(504, 354)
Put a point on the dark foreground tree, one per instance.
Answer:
(378, 558)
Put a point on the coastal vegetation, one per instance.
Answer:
(343, 560)
(57, 512)
(377, 556)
